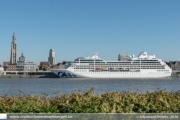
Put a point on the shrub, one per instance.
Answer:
(160, 101)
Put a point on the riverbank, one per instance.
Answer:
(29, 76)
(175, 75)
(160, 101)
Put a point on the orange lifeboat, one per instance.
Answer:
(97, 68)
(104, 68)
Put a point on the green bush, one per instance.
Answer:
(160, 101)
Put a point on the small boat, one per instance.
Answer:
(97, 68)
(104, 68)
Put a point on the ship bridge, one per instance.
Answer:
(88, 59)
(142, 55)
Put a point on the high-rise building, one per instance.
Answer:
(122, 57)
(52, 58)
(13, 57)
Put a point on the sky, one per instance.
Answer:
(80, 28)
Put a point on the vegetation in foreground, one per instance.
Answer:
(160, 101)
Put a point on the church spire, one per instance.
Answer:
(14, 37)
(13, 59)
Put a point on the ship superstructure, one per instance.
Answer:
(143, 66)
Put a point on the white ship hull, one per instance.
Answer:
(145, 73)
(94, 67)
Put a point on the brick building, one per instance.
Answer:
(44, 65)
(12, 68)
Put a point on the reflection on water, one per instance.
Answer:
(68, 85)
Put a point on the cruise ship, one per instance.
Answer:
(143, 66)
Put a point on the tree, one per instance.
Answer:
(40, 68)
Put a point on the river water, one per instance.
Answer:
(69, 85)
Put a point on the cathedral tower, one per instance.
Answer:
(13, 57)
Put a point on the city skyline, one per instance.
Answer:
(81, 28)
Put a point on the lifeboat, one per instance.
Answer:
(104, 68)
(97, 68)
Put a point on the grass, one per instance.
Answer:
(160, 101)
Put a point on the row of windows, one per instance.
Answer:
(86, 60)
(91, 60)
(119, 67)
(146, 60)
(149, 62)
(113, 62)
(129, 64)
(143, 66)
(83, 68)
(80, 71)
(12, 68)
(83, 59)
(102, 63)
(115, 66)
(130, 68)
(118, 62)
(162, 70)
(107, 72)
